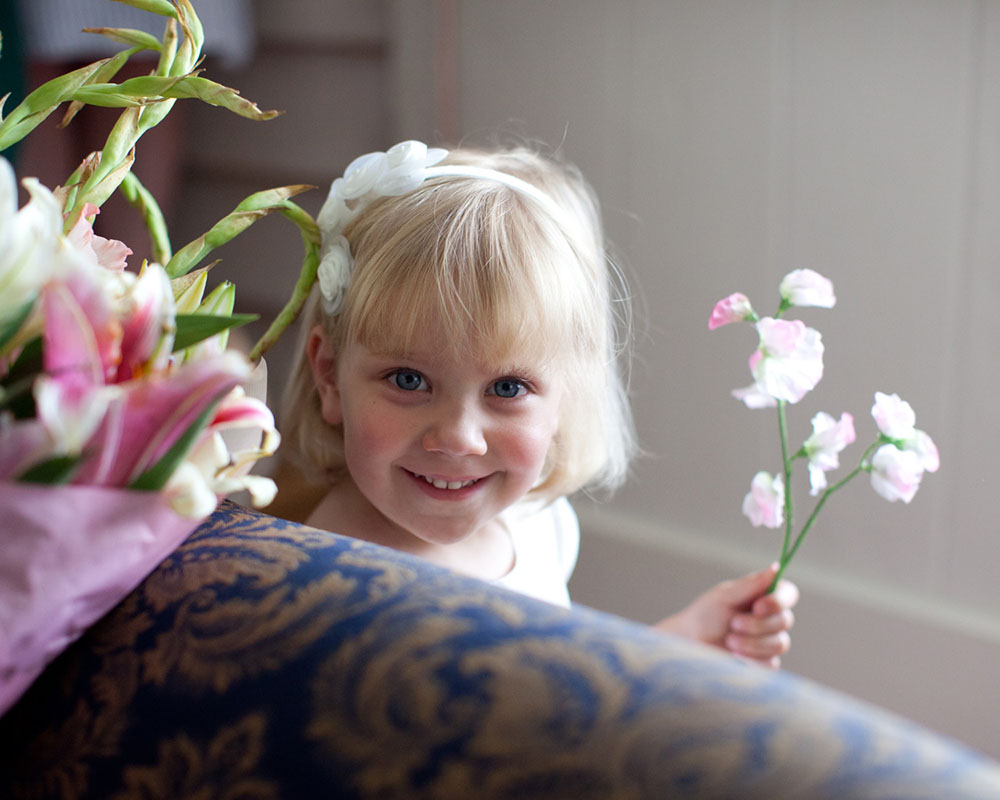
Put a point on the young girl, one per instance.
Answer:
(458, 376)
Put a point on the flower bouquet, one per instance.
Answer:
(119, 397)
(787, 365)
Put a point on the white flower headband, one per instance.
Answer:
(401, 169)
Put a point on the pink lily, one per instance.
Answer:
(213, 468)
(152, 414)
(71, 398)
(148, 334)
(107, 253)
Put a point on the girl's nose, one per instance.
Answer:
(456, 431)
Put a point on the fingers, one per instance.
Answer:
(753, 625)
(785, 596)
(763, 649)
(762, 633)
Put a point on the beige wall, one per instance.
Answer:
(731, 142)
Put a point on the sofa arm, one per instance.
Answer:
(265, 659)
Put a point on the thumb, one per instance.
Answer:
(741, 592)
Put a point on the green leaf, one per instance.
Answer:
(129, 36)
(156, 477)
(55, 470)
(18, 381)
(193, 328)
(215, 94)
(162, 7)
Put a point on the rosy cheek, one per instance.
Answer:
(527, 446)
(369, 430)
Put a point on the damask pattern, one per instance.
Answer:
(267, 660)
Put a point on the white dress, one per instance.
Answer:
(546, 542)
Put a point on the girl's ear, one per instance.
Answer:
(324, 370)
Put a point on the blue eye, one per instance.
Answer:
(508, 388)
(408, 380)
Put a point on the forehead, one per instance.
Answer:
(496, 349)
(485, 328)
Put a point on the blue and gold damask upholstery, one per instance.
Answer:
(268, 660)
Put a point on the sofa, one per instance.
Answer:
(264, 659)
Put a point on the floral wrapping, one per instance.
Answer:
(71, 554)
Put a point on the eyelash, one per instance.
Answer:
(395, 375)
(523, 387)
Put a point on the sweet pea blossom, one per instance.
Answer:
(804, 287)
(823, 447)
(893, 416)
(896, 420)
(896, 473)
(754, 398)
(735, 308)
(789, 360)
(926, 450)
(764, 503)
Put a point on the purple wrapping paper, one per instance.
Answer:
(68, 555)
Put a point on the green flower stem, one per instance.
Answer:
(786, 465)
(303, 286)
(251, 209)
(142, 199)
(787, 553)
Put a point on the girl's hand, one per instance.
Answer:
(739, 617)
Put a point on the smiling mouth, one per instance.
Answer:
(438, 483)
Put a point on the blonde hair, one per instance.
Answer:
(505, 278)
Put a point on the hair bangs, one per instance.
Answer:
(482, 283)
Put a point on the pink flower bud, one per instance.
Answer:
(735, 308)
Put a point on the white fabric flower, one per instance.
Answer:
(397, 171)
(334, 273)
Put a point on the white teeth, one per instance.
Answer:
(440, 484)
